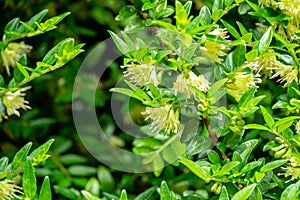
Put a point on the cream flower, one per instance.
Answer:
(240, 83)
(287, 73)
(13, 53)
(220, 32)
(292, 6)
(198, 81)
(9, 190)
(15, 101)
(141, 74)
(291, 171)
(214, 51)
(163, 119)
(182, 83)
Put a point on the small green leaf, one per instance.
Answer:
(21, 155)
(146, 194)
(88, 195)
(292, 192)
(231, 29)
(106, 179)
(40, 154)
(272, 165)
(123, 195)
(45, 193)
(125, 13)
(251, 55)
(165, 193)
(250, 166)
(201, 171)
(226, 169)
(29, 180)
(265, 41)
(214, 157)
(218, 4)
(244, 193)
(158, 165)
(205, 16)
(224, 194)
(246, 98)
(121, 45)
(82, 170)
(23, 70)
(257, 127)
(267, 116)
(285, 120)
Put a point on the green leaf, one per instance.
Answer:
(226, 169)
(246, 98)
(284, 126)
(218, 4)
(29, 180)
(88, 195)
(158, 165)
(250, 166)
(244, 193)
(272, 165)
(33, 20)
(251, 55)
(40, 154)
(214, 157)
(165, 193)
(292, 192)
(205, 16)
(243, 30)
(265, 41)
(224, 194)
(257, 127)
(3, 164)
(125, 13)
(267, 116)
(106, 179)
(10, 27)
(123, 195)
(82, 170)
(217, 90)
(121, 45)
(146, 194)
(45, 193)
(200, 171)
(20, 156)
(245, 149)
(231, 29)
(285, 120)
(23, 70)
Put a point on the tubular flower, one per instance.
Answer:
(9, 190)
(14, 101)
(198, 81)
(287, 73)
(291, 171)
(141, 74)
(220, 32)
(13, 53)
(292, 6)
(240, 83)
(163, 118)
(214, 51)
(182, 84)
(265, 2)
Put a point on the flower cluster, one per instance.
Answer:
(241, 82)
(181, 85)
(141, 74)
(12, 102)
(9, 190)
(163, 118)
(13, 53)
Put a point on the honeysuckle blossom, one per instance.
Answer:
(183, 81)
(214, 51)
(241, 83)
(163, 118)
(13, 53)
(9, 190)
(141, 74)
(13, 101)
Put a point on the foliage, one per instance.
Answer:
(228, 130)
